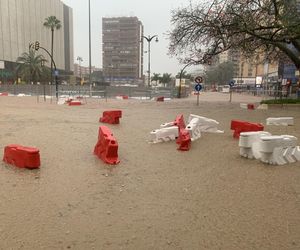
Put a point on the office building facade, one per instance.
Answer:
(122, 49)
(21, 23)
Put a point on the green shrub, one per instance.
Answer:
(281, 101)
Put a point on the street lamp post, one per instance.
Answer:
(90, 49)
(180, 78)
(79, 59)
(149, 39)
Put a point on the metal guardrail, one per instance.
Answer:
(107, 92)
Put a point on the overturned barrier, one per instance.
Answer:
(179, 122)
(198, 124)
(22, 157)
(164, 134)
(111, 116)
(184, 134)
(194, 129)
(243, 126)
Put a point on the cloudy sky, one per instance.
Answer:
(154, 14)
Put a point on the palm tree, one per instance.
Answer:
(166, 78)
(30, 66)
(156, 77)
(52, 23)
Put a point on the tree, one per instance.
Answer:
(185, 75)
(166, 78)
(221, 74)
(30, 66)
(52, 23)
(268, 27)
(156, 77)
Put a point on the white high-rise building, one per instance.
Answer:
(21, 23)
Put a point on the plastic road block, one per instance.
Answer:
(111, 116)
(184, 140)
(243, 126)
(107, 146)
(22, 157)
(75, 103)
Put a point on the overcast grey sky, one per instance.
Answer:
(154, 14)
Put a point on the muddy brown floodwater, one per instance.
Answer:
(157, 197)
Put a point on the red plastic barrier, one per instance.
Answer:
(111, 116)
(107, 146)
(75, 103)
(123, 96)
(22, 157)
(243, 126)
(184, 140)
(160, 99)
(250, 106)
(4, 94)
(179, 121)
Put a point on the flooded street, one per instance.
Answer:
(157, 197)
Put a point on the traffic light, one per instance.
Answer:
(30, 46)
(36, 45)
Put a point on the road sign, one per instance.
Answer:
(56, 72)
(231, 83)
(198, 87)
(198, 79)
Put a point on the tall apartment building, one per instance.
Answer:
(21, 23)
(245, 71)
(122, 49)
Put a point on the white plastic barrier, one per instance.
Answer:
(278, 150)
(286, 121)
(164, 134)
(205, 124)
(194, 128)
(62, 100)
(167, 124)
(263, 106)
(244, 105)
(248, 143)
(296, 153)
